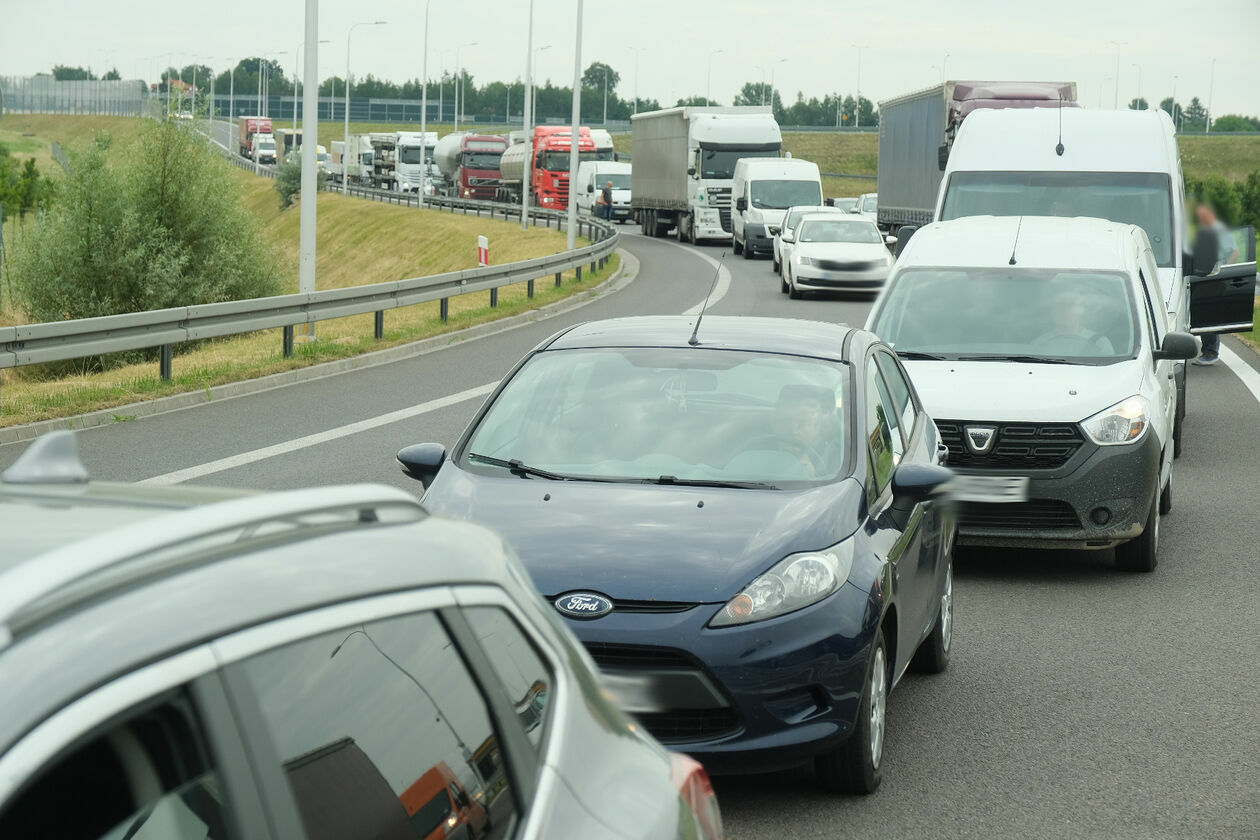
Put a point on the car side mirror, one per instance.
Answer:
(942, 156)
(903, 237)
(855, 209)
(1206, 252)
(590, 188)
(422, 461)
(890, 240)
(920, 482)
(691, 170)
(788, 237)
(741, 204)
(1177, 345)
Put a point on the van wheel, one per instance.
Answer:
(854, 766)
(1140, 553)
(1165, 498)
(748, 254)
(735, 246)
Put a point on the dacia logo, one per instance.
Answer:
(583, 605)
(980, 438)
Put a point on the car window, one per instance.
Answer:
(882, 441)
(892, 417)
(381, 725)
(1152, 320)
(521, 670)
(902, 402)
(149, 777)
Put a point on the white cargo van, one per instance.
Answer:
(592, 176)
(1118, 165)
(763, 190)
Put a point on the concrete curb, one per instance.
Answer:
(625, 274)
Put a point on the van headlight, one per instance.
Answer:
(1123, 423)
(796, 581)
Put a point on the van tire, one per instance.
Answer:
(748, 254)
(1165, 498)
(735, 246)
(1140, 554)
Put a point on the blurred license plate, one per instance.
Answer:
(990, 488)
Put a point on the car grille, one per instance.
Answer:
(720, 197)
(1026, 446)
(840, 265)
(1034, 514)
(652, 607)
(684, 726)
(562, 191)
(724, 213)
(611, 655)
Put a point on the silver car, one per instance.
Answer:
(868, 206)
(791, 218)
(836, 254)
(185, 662)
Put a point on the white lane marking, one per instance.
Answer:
(723, 283)
(1242, 370)
(243, 458)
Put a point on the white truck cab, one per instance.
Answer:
(1042, 349)
(1118, 165)
(762, 191)
(593, 175)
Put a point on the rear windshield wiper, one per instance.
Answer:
(517, 468)
(1036, 360)
(707, 482)
(919, 355)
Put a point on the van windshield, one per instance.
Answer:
(964, 313)
(780, 195)
(1136, 198)
(620, 180)
(432, 814)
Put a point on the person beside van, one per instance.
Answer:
(606, 201)
(1227, 253)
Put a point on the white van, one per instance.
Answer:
(592, 176)
(1117, 165)
(763, 190)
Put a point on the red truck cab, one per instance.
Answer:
(550, 177)
(479, 175)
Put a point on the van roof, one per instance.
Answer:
(1044, 242)
(1023, 140)
(787, 167)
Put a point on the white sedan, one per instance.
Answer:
(791, 218)
(868, 206)
(830, 253)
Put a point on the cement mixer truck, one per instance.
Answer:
(549, 175)
(469, 164)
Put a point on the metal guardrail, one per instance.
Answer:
(61, 340)
(59, 155)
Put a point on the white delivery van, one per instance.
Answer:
(1118, 165)
(592, 176)
(763, 190)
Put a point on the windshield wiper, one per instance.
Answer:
(918, 355)
(517, 468)
(709, 482)
(1036, 360)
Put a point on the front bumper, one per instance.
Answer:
(812, 278)
(708, 222)
(758, 239)
(785, 689)
(1065, 504)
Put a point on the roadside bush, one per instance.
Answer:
(289, 182)
(1237, 204)
(151, 225)
(22, 188)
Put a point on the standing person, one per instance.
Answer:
(1227, 253)
(605, 198)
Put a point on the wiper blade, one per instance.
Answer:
(516, 467)
(918, 355)
(1036, 360)
(710, 482)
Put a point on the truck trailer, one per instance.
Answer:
(917, 131)
(549, 174)
(469, 164)
(684, 165)
(356, 164)
(247, 128)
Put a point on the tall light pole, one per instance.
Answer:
(636, 51)
(708, 76)
(857, 105)
(1115, 105)
(773, 65)
(459, 80)
(424, 109)
(527, 173)
(575, 127)
(297, 61)
(1138, 68)
(345, 147)
(310, 156)
(1207, 121)
(605, 94)
(1175, 109)
(537, 50)
(944, 61)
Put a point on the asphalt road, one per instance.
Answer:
(1081, 702)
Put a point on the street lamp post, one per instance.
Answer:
(310, 156)
(773, 65)
(575, 129)
(297, 61)
(424, 109)
(857, 106)
(708, 77)
(944, 61)
(345, 142)
(1207, 121)
(1138, 68)
(636, 51)
(1115, 104)
(527, 115)
(605, 94)
(537, 50)
(459, 80)
(1175, 109)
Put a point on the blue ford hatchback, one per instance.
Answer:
(744, 528)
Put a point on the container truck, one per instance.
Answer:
(357, 164)
(247, 127)
(469, 164)
(917, 131)
(684, 166)
(549, 175)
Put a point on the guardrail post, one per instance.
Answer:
(166, 362)
(558, 275)
(288, 342)
(494, 298)
(579, 273)
(445, 309)
(529, 289)
(378, 329)
(593, 266)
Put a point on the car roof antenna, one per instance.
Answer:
(1058, 150)
(1015, 244)
(694, 341)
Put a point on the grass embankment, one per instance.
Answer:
(360, 242)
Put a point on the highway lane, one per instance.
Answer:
(1080, 702)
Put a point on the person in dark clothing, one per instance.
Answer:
(606, 199)
(1228, 254)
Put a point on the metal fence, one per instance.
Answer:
(59, 155)
(45, 95)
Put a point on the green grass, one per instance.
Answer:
(1232, 158)
(47, 128)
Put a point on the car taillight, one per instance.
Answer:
(695, 789)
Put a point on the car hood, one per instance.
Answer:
(647, 542)
(841, 250)
(958, 390)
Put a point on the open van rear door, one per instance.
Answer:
(1224, 300)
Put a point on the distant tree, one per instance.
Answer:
(754, 93)
(112, 76)
(289, 182)
(1234, 122)
(1195, 116)
(695, 100)
(1172, 109)
(1138, 104)
(594, 77)
(336, 86)
(62, 73)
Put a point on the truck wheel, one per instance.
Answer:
(748, 254)
(1140, 554)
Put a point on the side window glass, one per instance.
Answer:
(1153, 320)
(517, 663)
(899, 391)
(379, 726)
(879, 434)
(145, 778)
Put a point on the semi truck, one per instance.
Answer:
(604, 149)
(684, 166)
(356, 164)
(397, 159)
(548, 176)
(469, 164)
(247, 128)
(917, 131)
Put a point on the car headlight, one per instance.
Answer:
(1123, 423)
(548, 200)
(796, 581)
(804, 261)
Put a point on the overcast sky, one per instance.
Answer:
(806, 41)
